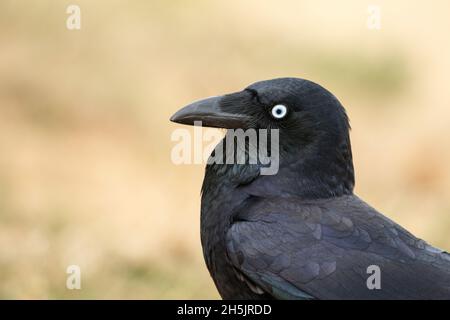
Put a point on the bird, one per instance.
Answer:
(302, 233)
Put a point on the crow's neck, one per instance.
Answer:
(322, 169)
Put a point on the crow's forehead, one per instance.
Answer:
(302, 92)
(280, 84)
(271, 91)
(277, 88)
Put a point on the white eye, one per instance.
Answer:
(279, 111)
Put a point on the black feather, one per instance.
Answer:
(302, 233)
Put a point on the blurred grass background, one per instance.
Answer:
(85, 170)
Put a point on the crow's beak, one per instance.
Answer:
(209, 113)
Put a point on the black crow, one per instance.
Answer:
(302, 233)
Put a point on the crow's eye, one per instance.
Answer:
(279, 111)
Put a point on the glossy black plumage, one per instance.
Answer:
(302, 233)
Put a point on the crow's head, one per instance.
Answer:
(302, 110)
(313, 126)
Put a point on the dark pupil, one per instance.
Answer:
(278, 111)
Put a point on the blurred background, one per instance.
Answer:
(85, 171)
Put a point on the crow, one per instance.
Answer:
(302, 233)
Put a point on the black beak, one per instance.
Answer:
(209, 112)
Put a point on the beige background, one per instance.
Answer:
(85, 170)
